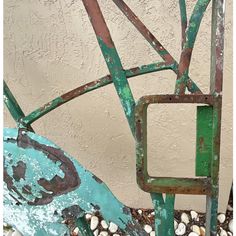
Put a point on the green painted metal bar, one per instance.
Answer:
(130, 73)
(112, 59)
(183, 15)
(164, 214)
(13, 106)
(84, 229)
(191, 34)
(204, 141)
(11, 103)
(157, 46)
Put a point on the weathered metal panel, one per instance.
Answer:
(42, 184)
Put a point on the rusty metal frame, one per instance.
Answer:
(136, 112)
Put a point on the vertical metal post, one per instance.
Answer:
(217, 47)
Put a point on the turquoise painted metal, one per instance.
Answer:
(44, 186)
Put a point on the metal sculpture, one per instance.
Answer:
(43, 185)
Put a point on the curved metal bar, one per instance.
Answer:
(46, 108)
(191, 34)
(157, 46)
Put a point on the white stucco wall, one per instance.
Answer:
(50, 48)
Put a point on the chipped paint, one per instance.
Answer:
(87, 195)
(41, 179)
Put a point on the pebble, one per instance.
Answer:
(152, 233)
(202, 230)
(175, 224)
(221, 218)
(113, 227)
(95, 233)
(103, 233)
(104, 224)
(229, 233)
(181, 229)
(88, 216)
(16, 233)
(140, 212)
(8, 233)
(229, 208)
(223, 232)
(196, 229)
(148, 228)
(116, 235)
(193, 234)
(76, 230)
(231, 226)
(194, 215)
(94, 222)
(153, 213)
(184, 218)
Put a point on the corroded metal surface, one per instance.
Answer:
(41, 179)
(43, 184)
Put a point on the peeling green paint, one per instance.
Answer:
(120, 81)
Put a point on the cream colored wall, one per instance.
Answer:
(50, 48)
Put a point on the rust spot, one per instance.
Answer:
(85, 88)
(126, 210)
(98, 21)
(72, 212)
(184, 61)
(201, 143)
(56, 185)
(97, 179)
(10, 185)
(19, 171)
(96, 207)
(26, 189)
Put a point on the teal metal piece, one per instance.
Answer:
(43, 184)
(204, 140)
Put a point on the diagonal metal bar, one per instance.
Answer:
(12, 105)
(53, 104)
(183, 14)
(191, 34)
(157, 46)
(112, 59)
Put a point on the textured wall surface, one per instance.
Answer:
(50, 48)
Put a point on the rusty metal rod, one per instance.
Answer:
(157, 46)
(186, 54)
(53, 104)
